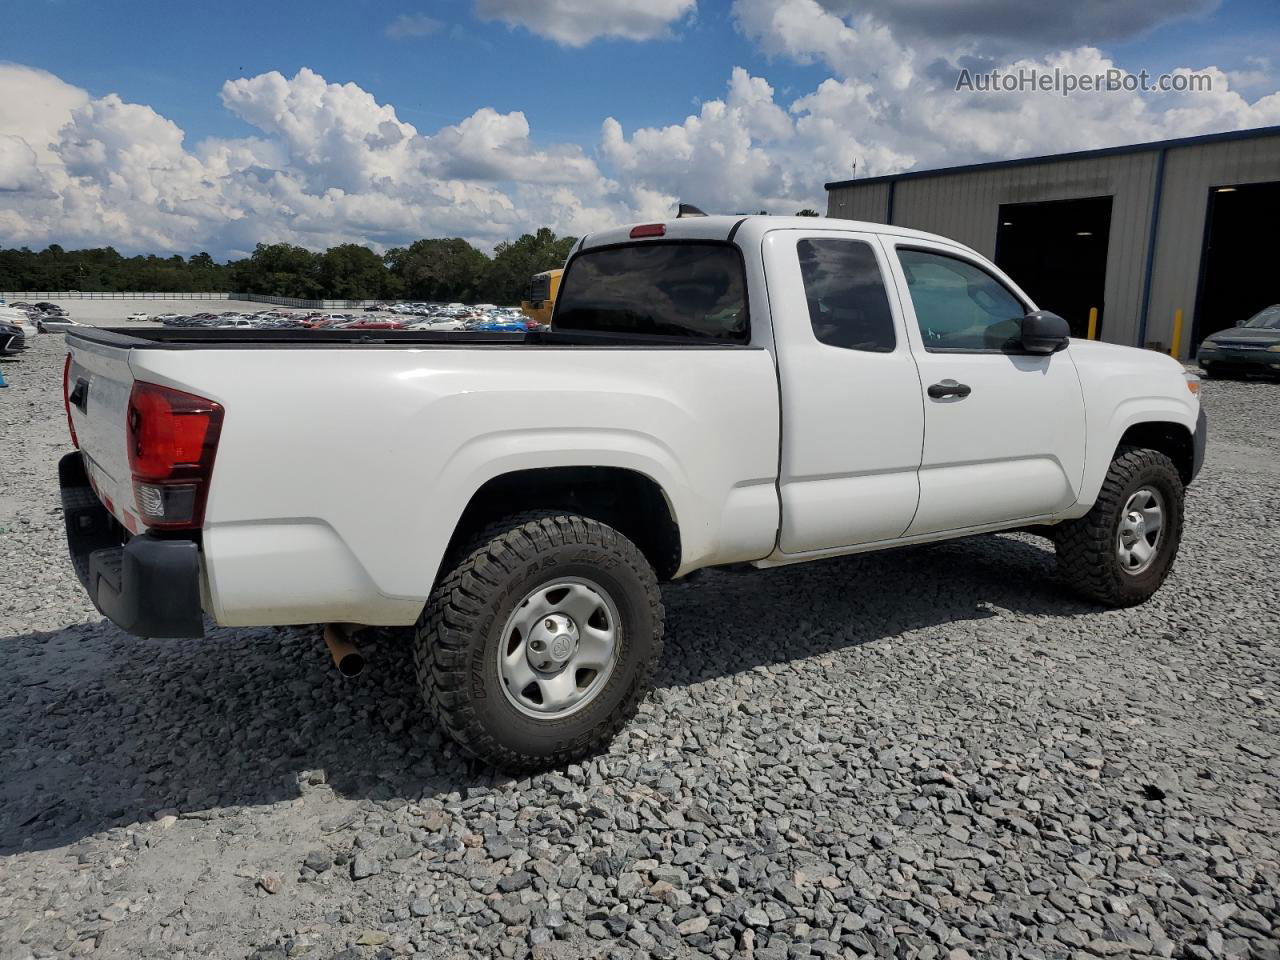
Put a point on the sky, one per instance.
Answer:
(381, 121)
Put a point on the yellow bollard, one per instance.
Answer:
(1177, 333)
(1093, 323)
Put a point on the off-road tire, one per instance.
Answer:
(1086, 547)
(455, 640)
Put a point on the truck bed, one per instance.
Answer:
(342, 470)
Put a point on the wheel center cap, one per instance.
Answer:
(553, 643)
(560, 647)
(1139, 523)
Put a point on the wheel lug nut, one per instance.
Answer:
(550, 624)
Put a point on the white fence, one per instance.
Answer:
(32, 296)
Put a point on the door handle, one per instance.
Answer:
(949, 388)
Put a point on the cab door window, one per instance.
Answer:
(959, 306)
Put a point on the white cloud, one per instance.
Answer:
(495, 146)
(328, 163)
(412, 25)
(331, 165)
(728, 157)
(337, 135)
(36, 105)
(19, 168)
(575, 23)
(997, 24)
(893, 106)
(1259, 72)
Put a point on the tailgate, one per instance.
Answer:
(98, 383)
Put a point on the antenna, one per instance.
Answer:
(689, 210)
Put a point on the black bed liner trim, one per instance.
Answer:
(133, 338)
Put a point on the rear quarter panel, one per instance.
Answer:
(341, 473)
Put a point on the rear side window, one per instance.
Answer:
(670, 289)
(848, 306)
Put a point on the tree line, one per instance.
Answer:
(431, 269)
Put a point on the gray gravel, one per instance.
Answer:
(930, 753)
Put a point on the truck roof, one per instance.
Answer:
(749, 229)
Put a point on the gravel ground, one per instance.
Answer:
(929, 753)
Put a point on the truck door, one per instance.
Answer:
(852, 415)
(1004, 429)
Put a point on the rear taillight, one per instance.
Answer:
(66, 400)
(173, 437)
(648, 230)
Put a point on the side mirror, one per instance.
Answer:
(1044, 332)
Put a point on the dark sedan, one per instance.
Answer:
(12, 339)
(1252, 347)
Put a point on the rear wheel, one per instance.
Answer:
(537, 647)
(1120, 552)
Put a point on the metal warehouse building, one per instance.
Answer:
(1075, 230)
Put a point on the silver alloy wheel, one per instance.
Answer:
(1141, 530)
(558, 648)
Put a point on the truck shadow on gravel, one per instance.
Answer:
(105, 730)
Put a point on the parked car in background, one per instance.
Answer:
(373, 325)
(1252, 347)
(21, 320)
(501, 324)
(713, 390)
(12, 339)
(45, 322)
(138, 317)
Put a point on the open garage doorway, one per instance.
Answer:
(1056, 251)
(1238, 275)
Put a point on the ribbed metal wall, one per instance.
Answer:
(1189, 174)
(965, 206)
(868, 203)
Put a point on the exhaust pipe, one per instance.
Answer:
(346, 655)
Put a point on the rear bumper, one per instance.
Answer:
(145, 586)
(1198, 443)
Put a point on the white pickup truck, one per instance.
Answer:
(712, 390)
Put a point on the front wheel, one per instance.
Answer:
(537, 647)
(1120, 552)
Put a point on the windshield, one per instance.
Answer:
(664, 288)
(1268, 319)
